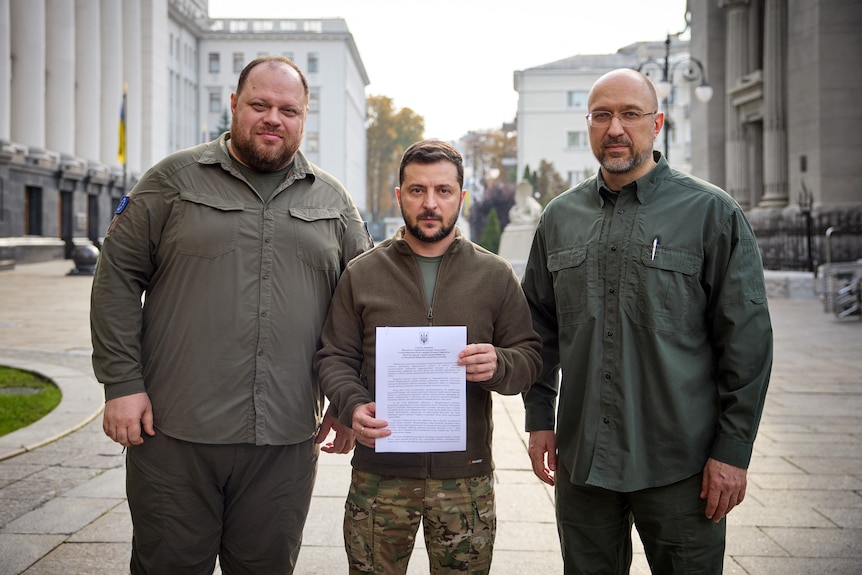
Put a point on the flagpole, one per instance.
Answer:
(123, 138)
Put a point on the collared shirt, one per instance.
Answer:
(235, 294)
(653, 308)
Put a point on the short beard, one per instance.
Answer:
(620, 166)
(415, 231)
(271, 159)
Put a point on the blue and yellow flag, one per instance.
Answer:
(121, 149)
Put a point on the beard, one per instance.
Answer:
(261, 156)
(414, 230)
(623, 165)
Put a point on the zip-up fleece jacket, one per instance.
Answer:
(384, 287)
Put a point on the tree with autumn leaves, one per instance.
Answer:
(389, 132)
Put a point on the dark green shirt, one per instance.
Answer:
(653, 307)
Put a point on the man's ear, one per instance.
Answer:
(658, 123)
(398, 196)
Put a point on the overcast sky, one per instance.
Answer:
(453, 61)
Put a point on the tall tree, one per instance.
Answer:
(498, 199)
(389, 132)
(492, 155)
(224, 124)
(490, 239)
(548, 183)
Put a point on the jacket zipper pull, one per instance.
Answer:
(430, 316)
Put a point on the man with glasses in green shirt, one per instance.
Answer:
(647, 288)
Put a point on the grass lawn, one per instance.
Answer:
(24, 398)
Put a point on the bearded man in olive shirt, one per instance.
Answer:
(647, 288)
(237, 245)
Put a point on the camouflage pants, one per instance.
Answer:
(382, 516)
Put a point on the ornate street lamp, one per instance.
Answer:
(692, 70)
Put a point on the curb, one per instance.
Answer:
(82, 402)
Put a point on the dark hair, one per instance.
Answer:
(431, 152)
(272, 60)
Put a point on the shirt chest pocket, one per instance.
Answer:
(569, 270)
(317, 235)
(667, 293)
(208, 227)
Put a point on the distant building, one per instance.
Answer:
(63, 66)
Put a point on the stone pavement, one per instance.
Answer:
(63, 508)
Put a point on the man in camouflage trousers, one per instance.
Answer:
(427, 274)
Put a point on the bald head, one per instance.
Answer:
(629, 82)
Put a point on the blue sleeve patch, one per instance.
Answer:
(124, 201)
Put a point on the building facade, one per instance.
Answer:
(64, 68)
(782, 135)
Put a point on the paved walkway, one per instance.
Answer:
(63, 508)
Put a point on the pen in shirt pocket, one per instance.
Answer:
(654, 246)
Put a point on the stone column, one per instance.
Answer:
(753, 133)
(132, 78)
(154, 42)
(775, 193)
(111, 49)
(5, 71)
(736, 57)
(88, 79)
(60, 76)
(27, 19)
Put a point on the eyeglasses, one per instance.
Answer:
(628, 118)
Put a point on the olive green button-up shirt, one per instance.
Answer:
(653, 308)
(235, 294)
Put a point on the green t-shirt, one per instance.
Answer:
(429, 268)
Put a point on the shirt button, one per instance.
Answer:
(607, 376)
(267, 239)
(611, 290)
(260, 353)
(621, 212)
(266, 276)
(610, 334)
(613, 248)
(263, 314)
(606, 420)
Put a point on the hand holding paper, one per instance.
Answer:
(366, 427)
(480, 360)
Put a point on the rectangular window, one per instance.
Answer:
(312, 143)
(238, 62)
(214, 63)
(215, 102)
(314, 100)
(577, 99)
(313, 63)
(576, 140)
(33, 211)
(288, 55)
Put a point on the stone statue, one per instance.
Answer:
(526, 209)
(517, 236)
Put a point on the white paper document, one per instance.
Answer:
(420, 389)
